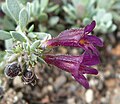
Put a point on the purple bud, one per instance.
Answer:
(28, 77)
(12, 70)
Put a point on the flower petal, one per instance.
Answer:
(82, 80)
(87, 70)
(66, 62)
(90, 27)
(93, 49)
(94, 40)
(90, 60)
(66, 38)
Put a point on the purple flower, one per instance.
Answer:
(77, 38)
(76, 65)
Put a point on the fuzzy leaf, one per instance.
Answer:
(53, 20)
(31, 28)
(9, 44)
(14, 8)
(40, 60)
(43, 17)
(5, 10)
(44, 4)
(23, 18)
(4, 35)
(42, 36)
(23, 1)
(17, 36)
(35, 45)
(8, 24)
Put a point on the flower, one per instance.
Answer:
(77, 38)
(76, 65)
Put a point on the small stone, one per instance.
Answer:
(116, 51)
(50, 88)
(20, 95)
(62, 50)
(59, 82)
(103, 100)
(74, 51)
(115, 99)
(72, 88)
(118, 34)
(110, 83)
(93, 82)
(45, 100)
(112, 38)
(15, 99)
(44, 90)
(89, 96)
(100, 85)
(17, 82)
(71, 100)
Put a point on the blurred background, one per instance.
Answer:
(55, 86)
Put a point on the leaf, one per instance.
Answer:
(9, 44)
(8, 24)
(35, 45)
(53, 20)
(28, 8)
(31, 35)
(43, 4)
(52, 8)
(86, 21)
(41, 60)
(5, 10)
(2, 54)
(42, 36)
(23, 18)
(113, 28)
(4, 35)
(31, 28)
(17, 36)
(23, 1)
(70, 13)
(35, 8)
(43, 17)
(14, 8)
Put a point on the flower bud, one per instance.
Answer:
(28, 77)
(12, 70)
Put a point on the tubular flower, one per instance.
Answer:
(80, 38)
(76, 65)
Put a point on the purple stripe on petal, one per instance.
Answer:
(72, 32)
(89, 28)
(82, 80)
(65, 62)
(66, 38)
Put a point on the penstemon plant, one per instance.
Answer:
(25, 47)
